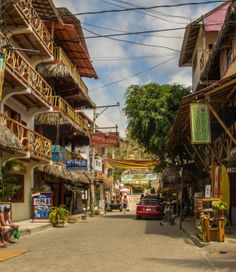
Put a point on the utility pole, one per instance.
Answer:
(92, 166)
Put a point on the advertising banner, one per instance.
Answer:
(200, 123)
(42, 203)
(2, 71)
(100, 139)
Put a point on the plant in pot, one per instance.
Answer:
(58, 216)
(219, 207)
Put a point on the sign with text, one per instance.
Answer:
(200, 123)
(100, 139)
(42, 203)
(77, 165)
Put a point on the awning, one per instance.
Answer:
(60, 171)
(218, 94)
(131, 164)
(69, 36)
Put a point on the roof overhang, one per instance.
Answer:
(67, 37)
(218, 93)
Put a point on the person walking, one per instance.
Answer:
(125, 204)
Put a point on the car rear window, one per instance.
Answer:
(149, 202)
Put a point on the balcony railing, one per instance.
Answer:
(60, 55)
(26, 8)
(37, 145)
(28, 75)
(60, 104)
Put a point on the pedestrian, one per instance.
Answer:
(125, 204)
(105, 204)
(7, 224)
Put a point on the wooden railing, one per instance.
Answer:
(60, 104)
(26, 8)
(61, 56)
(26, 73)
(37, 145)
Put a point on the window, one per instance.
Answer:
(19, 181)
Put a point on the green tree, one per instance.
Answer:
(151, 110)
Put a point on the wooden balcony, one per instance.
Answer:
(20, 75)
(26, 26)
(38, 147)
(60, 56)
(60, 105)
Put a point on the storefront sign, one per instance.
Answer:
(77, 165)
(200, 123)
(42, 203)
(2, 71)
(110, 139)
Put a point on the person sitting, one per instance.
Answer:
(7, 224)
(2, 242)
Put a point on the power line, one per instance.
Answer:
(133, 42)
(136, 74)
(148, 13)
(98, 59)
(152, 7)
(122, 31)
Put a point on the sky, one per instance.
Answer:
(120, 64)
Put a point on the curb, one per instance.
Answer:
(194, 237)
(29, 231)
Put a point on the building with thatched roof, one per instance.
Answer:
(42, 95)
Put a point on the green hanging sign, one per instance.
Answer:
(200, 123)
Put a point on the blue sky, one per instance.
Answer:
(115, 60)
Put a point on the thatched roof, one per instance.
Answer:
(53, 69)
(57, 118)
(60, 171)
(68, 87)
(8, 139)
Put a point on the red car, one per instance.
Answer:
(149, 207)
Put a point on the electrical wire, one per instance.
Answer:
(151, 7)
(123, 31)
(133, 42)
(147, 13)
(136, 74)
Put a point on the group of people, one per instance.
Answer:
(6, 227)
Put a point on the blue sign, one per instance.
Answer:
(42, 203)
(77, 165)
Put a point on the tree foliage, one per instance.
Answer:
(151, 111)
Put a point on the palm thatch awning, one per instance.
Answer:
(66, 86)
(8, 139)
(58, 119)
(60, 171)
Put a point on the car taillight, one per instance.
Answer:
(140, 208)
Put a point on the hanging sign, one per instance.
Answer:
(110, 139)
(2, 71)
(42, 203)
(200, 123)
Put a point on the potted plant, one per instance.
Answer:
(58, 216)
(219, 207)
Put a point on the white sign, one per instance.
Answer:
(208, 191)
